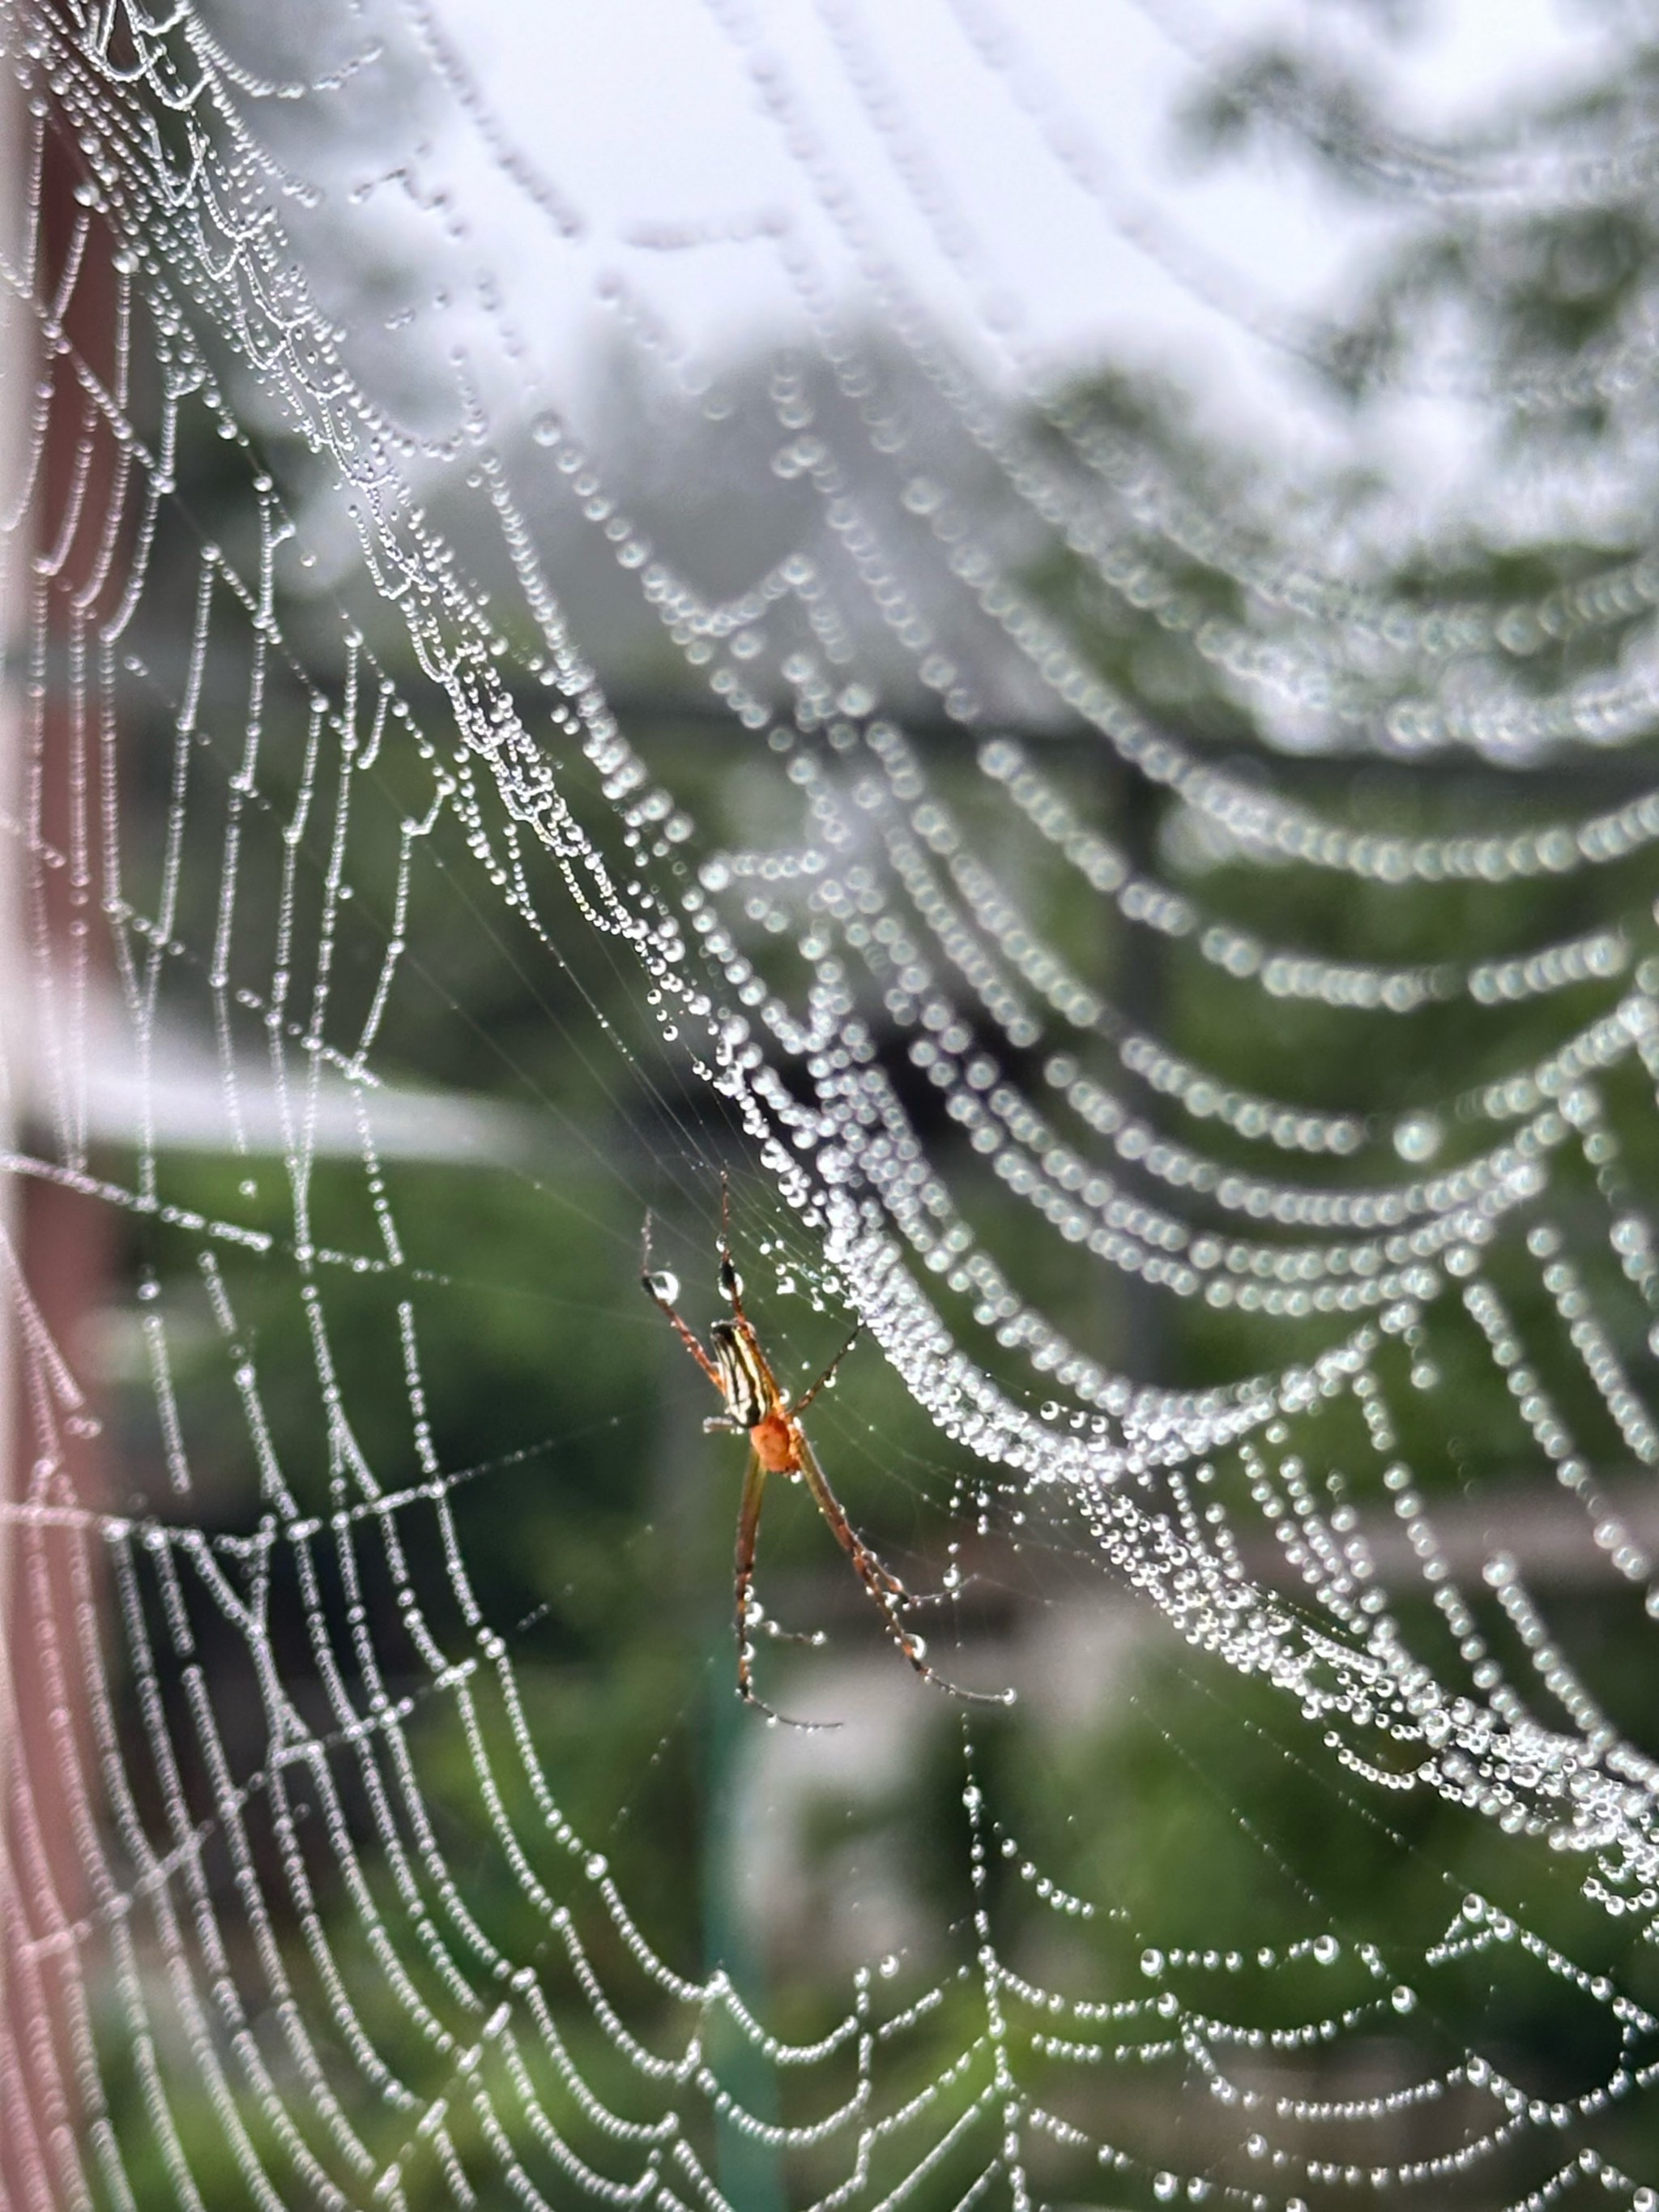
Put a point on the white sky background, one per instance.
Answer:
(643, 114)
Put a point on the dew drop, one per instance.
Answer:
(1419, 1137)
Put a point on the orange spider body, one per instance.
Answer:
(776, 1447)
(743, 1376)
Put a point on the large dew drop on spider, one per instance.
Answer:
(666, 1285)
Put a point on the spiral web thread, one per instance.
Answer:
(179, 1938)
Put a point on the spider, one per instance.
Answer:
(758, 1403)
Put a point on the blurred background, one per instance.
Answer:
(1179, 437)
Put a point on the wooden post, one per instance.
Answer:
(56, 1243)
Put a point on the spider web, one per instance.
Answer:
(348, 1772)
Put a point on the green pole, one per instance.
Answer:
(749, 2171)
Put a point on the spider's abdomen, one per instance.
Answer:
(774, 1439)
(742, 1377)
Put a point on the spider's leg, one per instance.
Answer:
(731, 1282)
(884, 1588)
(657, 1289)
(828, 1374)
(749, 1513)
(814, 1638)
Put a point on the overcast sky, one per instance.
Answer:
(646, 118)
